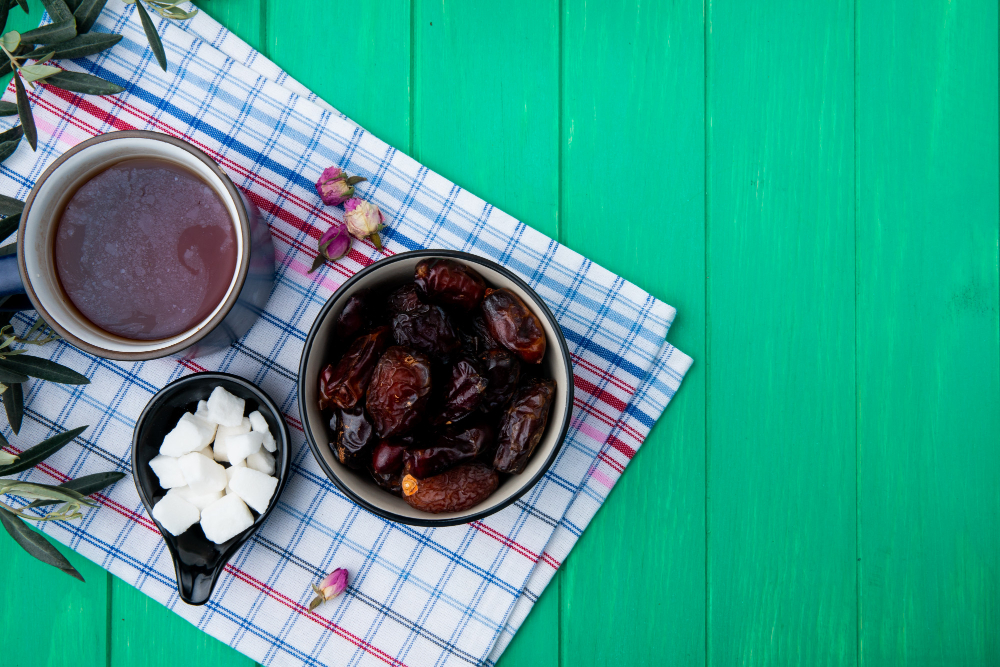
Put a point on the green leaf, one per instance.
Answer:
(24, 111)
(13, 133)
(318, 262)
(57, 9)
(35, 543)
(33, 491)
(154, 39)
(354, 180)
(38, 72)
(86, 14)
(13, 403)
(4, 12)
(78, 47)
(6, 458)
(10, 206)
(11, 40)
(43, 450)
(79, 82)
(12, 377)
(43, 369)
(24, 5)
(7, 108)
(85, 485)
(52, 33)
(73, 4)
(7, 149)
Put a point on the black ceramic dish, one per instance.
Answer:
(198, 561)
(357, 485)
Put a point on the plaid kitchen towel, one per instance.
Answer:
(417, 596)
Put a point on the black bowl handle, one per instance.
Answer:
(196, 582)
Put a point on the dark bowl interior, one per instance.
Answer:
(319, 349)
(198, 561)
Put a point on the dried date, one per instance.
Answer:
(450, 449)
(501, 370)
(426, 328)
(522, 425)
(399, 391)
(388, 457)
(454, 490)
(405, 299)
(513, 325)
(450, 283)
(353, 317)
(344, 385)
(355, 438)
(462, 395)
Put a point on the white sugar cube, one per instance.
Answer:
(189, 435)
(225, 409)
(201, 473)
(224, 433)
(225, 519)
(257, 422)
(238, 447)
(205, 426)
(269, 443)
(199, 500)
(175, 514)
(229, 473)
(208, 451)
(254, 487)
(202, 410)
(261, 460)
(168, 471)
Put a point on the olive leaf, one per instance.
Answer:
(78, 47)
(34, 491)
(42, 369)
(11, 377)
(7, 148)
(80, 82)
(86, 13)
(4, 12)
(10, 206)
(11, 40)
(24, 111)
(6, 458)
(43, 450)
(13, 133)
(38, 72)
(7, 108)
(35, 543)
(24, 5)
(85, 486)
(13, 403)
(53, 33)
(57, 9)
(154, 38)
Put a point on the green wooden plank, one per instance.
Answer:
(781, 394)
(355, 56)
(144, 632)
(633, 167)
(48, 618)
(928, 335)
(485, 115)
(244, 18)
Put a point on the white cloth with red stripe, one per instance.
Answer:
(416, 596)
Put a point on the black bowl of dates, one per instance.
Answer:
(435, 388)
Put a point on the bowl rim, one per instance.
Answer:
(286, 459)
(541, 307)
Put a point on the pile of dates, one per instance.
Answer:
(438, 389)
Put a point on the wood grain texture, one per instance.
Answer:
(48, 618)
(928, 366)
(633, 200)
(781, 393)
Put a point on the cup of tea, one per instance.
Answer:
(136, 245)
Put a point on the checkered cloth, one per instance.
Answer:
(417, 596)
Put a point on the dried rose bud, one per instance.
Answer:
(333, 245)
(335, 186)
(364, 220)
(332, 586)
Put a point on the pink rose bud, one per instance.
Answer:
(364, 220)
(333, 244)
(335, 186)
(332, 586)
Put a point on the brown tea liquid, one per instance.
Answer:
(145, 249)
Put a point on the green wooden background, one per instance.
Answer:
(814, 185)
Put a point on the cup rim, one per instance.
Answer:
(314, 446)
(208, 327)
